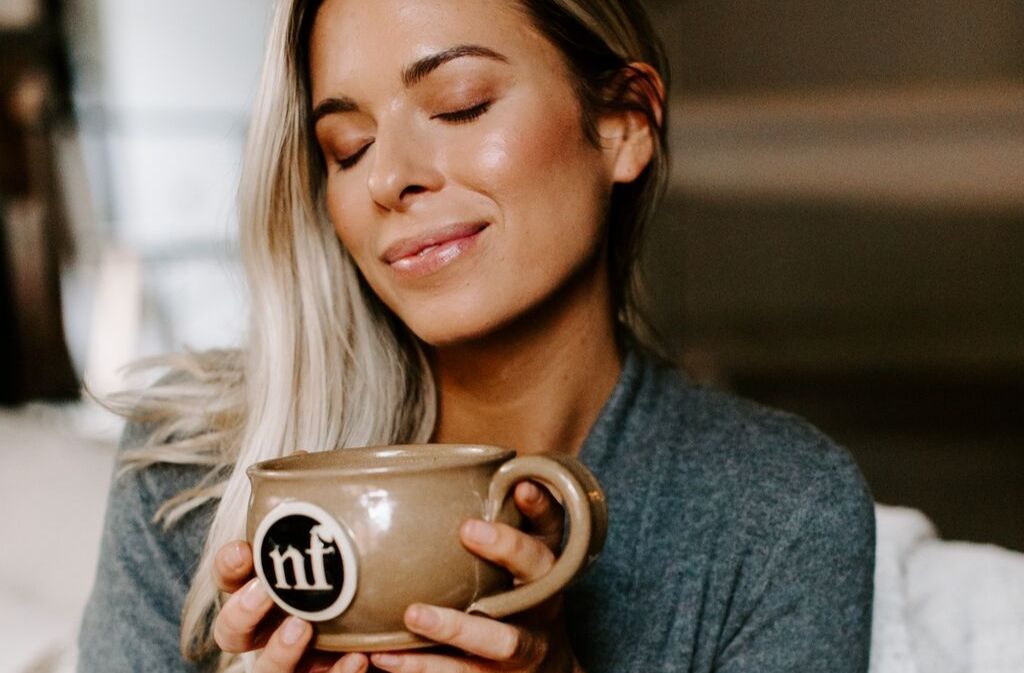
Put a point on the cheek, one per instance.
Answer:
(532, 152)
(345, 213)
(352, 222)
(547, 180)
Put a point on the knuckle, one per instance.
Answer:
(226, 637)
(234, 620)
(546, 508)
(231, 618)
(523, 554)
(453, 629)
(223, 582)
(218, 636)
(220, 563)
(408, 664)
(266, 663)
(345, 663)
(514, 544)
(536, 557)
(276, 658)
(227, 574)
(504, 546)
(545, 558)
(510, 645)
(221, 573)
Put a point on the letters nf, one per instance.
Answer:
(307, 560)
(316, 552)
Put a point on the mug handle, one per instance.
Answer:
(586, 508)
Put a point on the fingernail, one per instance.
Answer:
(386, 660)
(481, 532)
(355, 664)
(254, 594)
(423, 617)
(235, 557)
(292, 630)
(533, 493)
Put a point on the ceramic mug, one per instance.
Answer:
(349, 538)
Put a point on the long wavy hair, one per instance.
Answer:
(326, 364)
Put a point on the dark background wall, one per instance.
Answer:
(844, 234)
(746, 45)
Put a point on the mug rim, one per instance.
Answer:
(380, 459)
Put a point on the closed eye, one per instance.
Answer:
(469, 114)
(352, 159)
(456, 117)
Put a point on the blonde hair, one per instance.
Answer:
(326, 364)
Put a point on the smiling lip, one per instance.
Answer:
(412, 247)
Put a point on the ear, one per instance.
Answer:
(627, 139)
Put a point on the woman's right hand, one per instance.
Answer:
(249, 621)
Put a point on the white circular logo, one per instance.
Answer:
(307, 561)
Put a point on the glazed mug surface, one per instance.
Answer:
(349, 538)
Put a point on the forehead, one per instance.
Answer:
(355, 42)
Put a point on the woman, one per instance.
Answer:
(440, 215)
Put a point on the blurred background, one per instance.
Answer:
(842, 237)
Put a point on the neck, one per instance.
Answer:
(536, 385)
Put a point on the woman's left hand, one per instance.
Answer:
(536, 641)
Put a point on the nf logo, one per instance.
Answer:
(317, 537)
(307, 561)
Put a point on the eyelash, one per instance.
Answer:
(457, 117)
(351, 160)
(469, 114)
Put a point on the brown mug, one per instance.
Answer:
(349, 538)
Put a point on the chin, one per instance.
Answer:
(442, 326)
(439, 333)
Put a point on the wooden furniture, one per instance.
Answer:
(34, 361)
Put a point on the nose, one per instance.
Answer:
(403, 168)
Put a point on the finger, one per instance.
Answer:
(314, 661)
(401, 662)
(482, 636)
(353, 662)
(526, 557)
(285, 648)
(237, 627)
(545, 515)
(232, 566)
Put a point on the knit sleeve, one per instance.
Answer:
(812, 607)
(131, 622)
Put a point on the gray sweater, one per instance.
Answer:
(740, 539)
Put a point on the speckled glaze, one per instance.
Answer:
(401, 507)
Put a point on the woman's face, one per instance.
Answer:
(458, 174)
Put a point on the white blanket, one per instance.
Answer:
(944, 607)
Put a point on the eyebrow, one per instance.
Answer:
(428, 64)
(411, 75)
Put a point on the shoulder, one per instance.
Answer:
(761, 467)
(730, 522)
(156, 477)
(143, 496)
(145, 566)
(165, 468)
